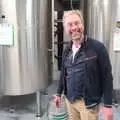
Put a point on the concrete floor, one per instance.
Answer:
(24, 107)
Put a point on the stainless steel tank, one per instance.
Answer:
(25, 67)
(115, 38)
(99, 20)
(103, 16)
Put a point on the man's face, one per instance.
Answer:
(74, 27)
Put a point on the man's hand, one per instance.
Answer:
(57, 101)
(107, 112)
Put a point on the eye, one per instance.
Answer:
(70, 24)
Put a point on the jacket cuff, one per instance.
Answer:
(108, 106)
(59, 95)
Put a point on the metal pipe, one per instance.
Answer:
(71, 4)
(53, 31)
(39, 103)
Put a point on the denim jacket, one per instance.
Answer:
(98, 80)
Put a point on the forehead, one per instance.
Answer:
(72, 18)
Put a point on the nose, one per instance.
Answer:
(73, 28)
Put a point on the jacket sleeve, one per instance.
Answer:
(62, 76)
(106, 76)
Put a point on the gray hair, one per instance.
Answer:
(75, 12)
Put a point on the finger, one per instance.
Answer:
(57, 104)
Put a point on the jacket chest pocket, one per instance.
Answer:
(91, 60)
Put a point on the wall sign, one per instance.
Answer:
(116, 37)
(6, 34)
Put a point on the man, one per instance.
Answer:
(86, 73)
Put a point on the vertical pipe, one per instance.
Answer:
(38, 100)
(85, 15)
(60, 39)
(82, 5)
(52, 10)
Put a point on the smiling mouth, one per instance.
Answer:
(74, 34)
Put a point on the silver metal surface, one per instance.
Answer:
(25, 67)
(115, 55)
(39, 103)
(99, 20)
(102, 18)
(82, 5)
(53, 39)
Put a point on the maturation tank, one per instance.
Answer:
(25, 63)
(104, 25)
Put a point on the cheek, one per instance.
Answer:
(81, 27)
